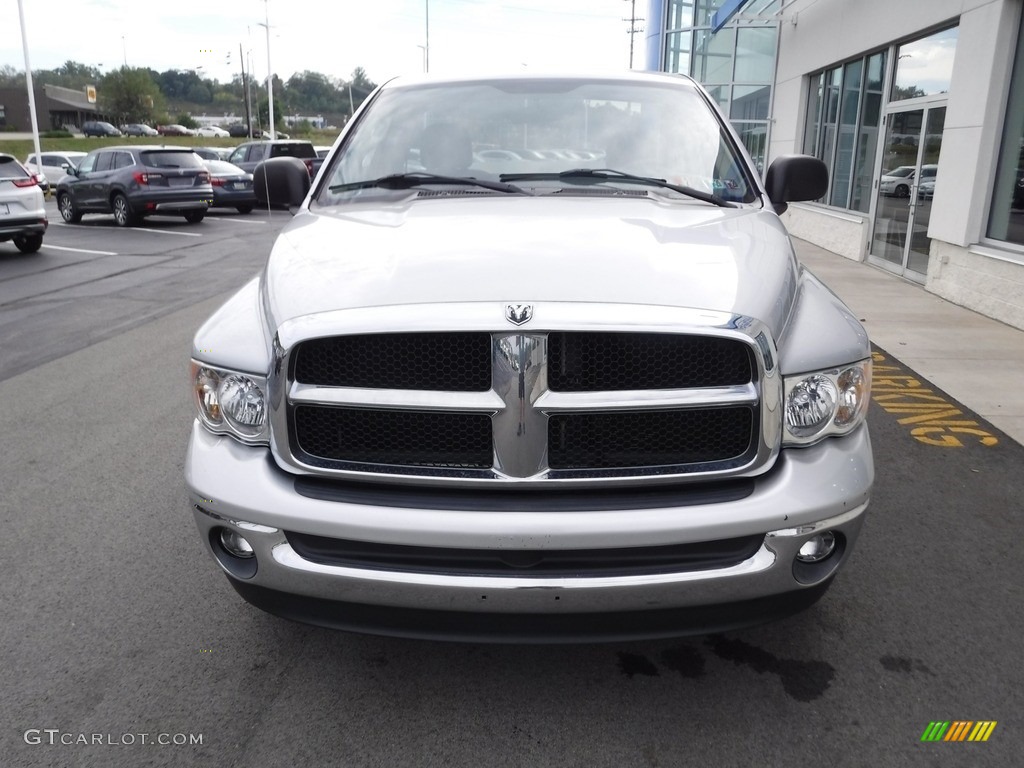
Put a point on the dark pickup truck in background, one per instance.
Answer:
(247, 156)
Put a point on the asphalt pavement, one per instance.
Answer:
(119, 631)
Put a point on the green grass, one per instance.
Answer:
(22, 148)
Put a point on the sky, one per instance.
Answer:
(384, 37)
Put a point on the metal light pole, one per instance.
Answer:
(245, 87)
(31, 91)
(270, 72)
(426, 48)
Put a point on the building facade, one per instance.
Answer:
(56, 107)
(916, 107)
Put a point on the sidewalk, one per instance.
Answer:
(976, 360)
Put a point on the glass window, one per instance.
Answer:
(755, 138)
(1006, 221)
(104, 162)
(849, 111)
(170, 158)
(925, 67)
(712, 59)
(817, 85)
(720, 93)
(705, 10)
(844, 106)
(755, 54)
(867, 130)
(87, 164)
(680, 14)
(750, 102)
(677, 52)
(533, 130)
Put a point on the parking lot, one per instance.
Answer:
(117, 623)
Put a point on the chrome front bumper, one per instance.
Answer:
(824, 487)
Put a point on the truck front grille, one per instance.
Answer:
(453, 362)
(649, 438)
(536, 563)
(528, 406)
(397, 438)
(594, 362)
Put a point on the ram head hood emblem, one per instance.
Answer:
(517, 314)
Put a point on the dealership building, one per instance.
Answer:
(916, 107)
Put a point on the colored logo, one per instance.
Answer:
(959, 730)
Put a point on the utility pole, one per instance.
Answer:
(270, 73)
(31, 92)
(633, 30)
(245, 86)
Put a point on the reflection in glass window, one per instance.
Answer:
(712, 59)
(1006, 222)
(736, 65)
(677, 52)
(755, 54)
(750, 102)
(848, 113)
(844, 106)
(925, 67)
(867, 141)
(817, 85)
(680, 14)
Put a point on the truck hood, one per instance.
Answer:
(612, 250)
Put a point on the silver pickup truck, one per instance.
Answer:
(534, 361)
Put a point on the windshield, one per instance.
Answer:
(539, 127)
(171, 159)
(902, 171)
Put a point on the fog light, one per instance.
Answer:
(817, 548)
(236, 545)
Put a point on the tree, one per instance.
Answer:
(129, 95)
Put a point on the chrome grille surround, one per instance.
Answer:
(519, 401)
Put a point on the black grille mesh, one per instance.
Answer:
(648, 438)
(407, 438)
(594, 362)
(525, 563)
(452, 362)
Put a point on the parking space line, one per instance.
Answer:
(233, 220)
(78, 250)
(127, 229)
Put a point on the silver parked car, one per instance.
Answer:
(22, 209)
(54, 165)
(585, 393)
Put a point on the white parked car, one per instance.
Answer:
(22, 211)
(898, 181)
(211, 131)
(54, 165)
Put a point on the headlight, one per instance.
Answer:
(823, 403)
(231, 403)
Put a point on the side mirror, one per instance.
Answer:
(281, 182)
(792, 178)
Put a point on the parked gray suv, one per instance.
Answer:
(133, 182)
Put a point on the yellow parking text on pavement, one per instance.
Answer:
(928, 416)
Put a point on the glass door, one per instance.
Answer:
(906, 186)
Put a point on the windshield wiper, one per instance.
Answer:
(420, 178)
(609, 174)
